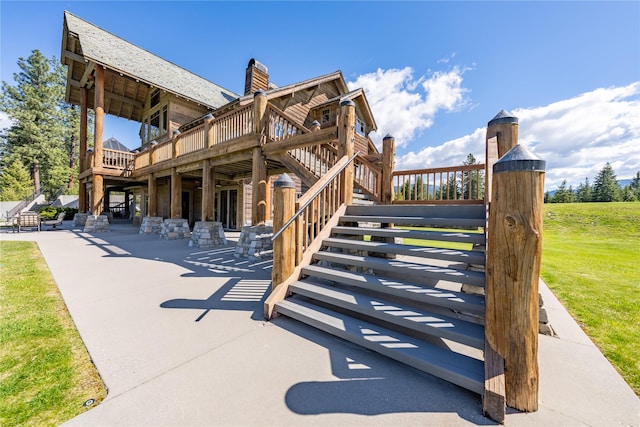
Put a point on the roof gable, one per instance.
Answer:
(123, 57)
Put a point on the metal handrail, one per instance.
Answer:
(303, 207)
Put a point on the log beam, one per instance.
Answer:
(176, 194)
(259, 193)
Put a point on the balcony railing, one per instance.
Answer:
(454, 184)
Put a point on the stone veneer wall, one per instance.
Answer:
(255, 243)
(175, 228)
(96, 223)
(207, 234)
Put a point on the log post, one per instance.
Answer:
(284, 249)
(176, 194)
(84, 95)
(514, 249)
(97, 196)
(259, 182)
(82, 197)
(346, 141)
(388, 156)
(208, 131)
(97, 189)
(175, 144)
(208, 191)
(259, 108)
(502, 136)
(152, 184)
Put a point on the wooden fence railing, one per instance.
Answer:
(114, 159)
(192, 140)
(368, 177)
(280, 126)
(454, 184)
(233, 125)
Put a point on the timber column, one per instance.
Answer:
(514, 250)
(98, 107)
(346, 141)
(176, 194)
(208, 191)
(82, 185)
(152, 184)
(259, 179)
(388, 156)
(284, 247)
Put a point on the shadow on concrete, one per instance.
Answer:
(247, 282)
(369, 385)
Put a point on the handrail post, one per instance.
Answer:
(346, 141)
(514, 250)
(284, 250)
(175, 144)
(388, 156)
(502, 136)
(259, 108)
(208, 131)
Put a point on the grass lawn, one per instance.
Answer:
(591, 261)
(46, 373)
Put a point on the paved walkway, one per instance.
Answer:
(178, 336)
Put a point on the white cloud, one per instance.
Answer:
(5, 121)
(405, 105)
(576, 137)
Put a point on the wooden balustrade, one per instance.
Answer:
(317, 159)
(162, 152)
(115, 159)
(233, 125)
(192, 140)
(280, 126)
(447, 185)
(368, 177)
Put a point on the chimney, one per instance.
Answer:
(257, 77)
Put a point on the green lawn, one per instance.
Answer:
(46, 374)
(591, 261)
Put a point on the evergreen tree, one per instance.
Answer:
(15, 183)
(584, 192)
(605, 186)
(472, 182)
(563, 194)
(635, 185)
(39, 136)
(450, 190)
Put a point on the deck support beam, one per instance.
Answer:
(152, 187)
(98, 180)
(176, 194)
(208, 191)
(259, 179)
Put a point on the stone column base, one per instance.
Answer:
(175, 228)
(96, 224)
(255, 243)
(79, 219)
(151, 225)
(207, 234)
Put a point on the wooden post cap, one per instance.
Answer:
(209, 117)
(175, 132)
(387, 136)
(259, 93)
(347, 103)
(284, 181)
(519, 159)
(503, 117)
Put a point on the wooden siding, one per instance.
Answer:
(181, 112)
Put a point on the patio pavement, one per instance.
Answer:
(178, 336)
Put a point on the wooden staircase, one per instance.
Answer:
(402, 301)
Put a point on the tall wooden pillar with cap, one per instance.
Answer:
(514, 250)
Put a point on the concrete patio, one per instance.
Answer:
(178, 336)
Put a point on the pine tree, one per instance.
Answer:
(472, 182)
(584, 193)
(39, 131)
(15, 183)
(563, 194)
(635, 185)
(605, 186)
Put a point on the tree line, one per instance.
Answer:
(39, 150)
(605, 188)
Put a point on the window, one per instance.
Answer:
(155, 124)
(154, 99)
(360, 127)
(326, 116)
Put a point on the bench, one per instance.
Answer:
(28, 220)
(55, 222)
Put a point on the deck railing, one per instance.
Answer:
(454, 184)
(280, 126)
(192, 140)
(233, 125)
(368, 177)
(115, 159)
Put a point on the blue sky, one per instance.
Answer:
(435, 72)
